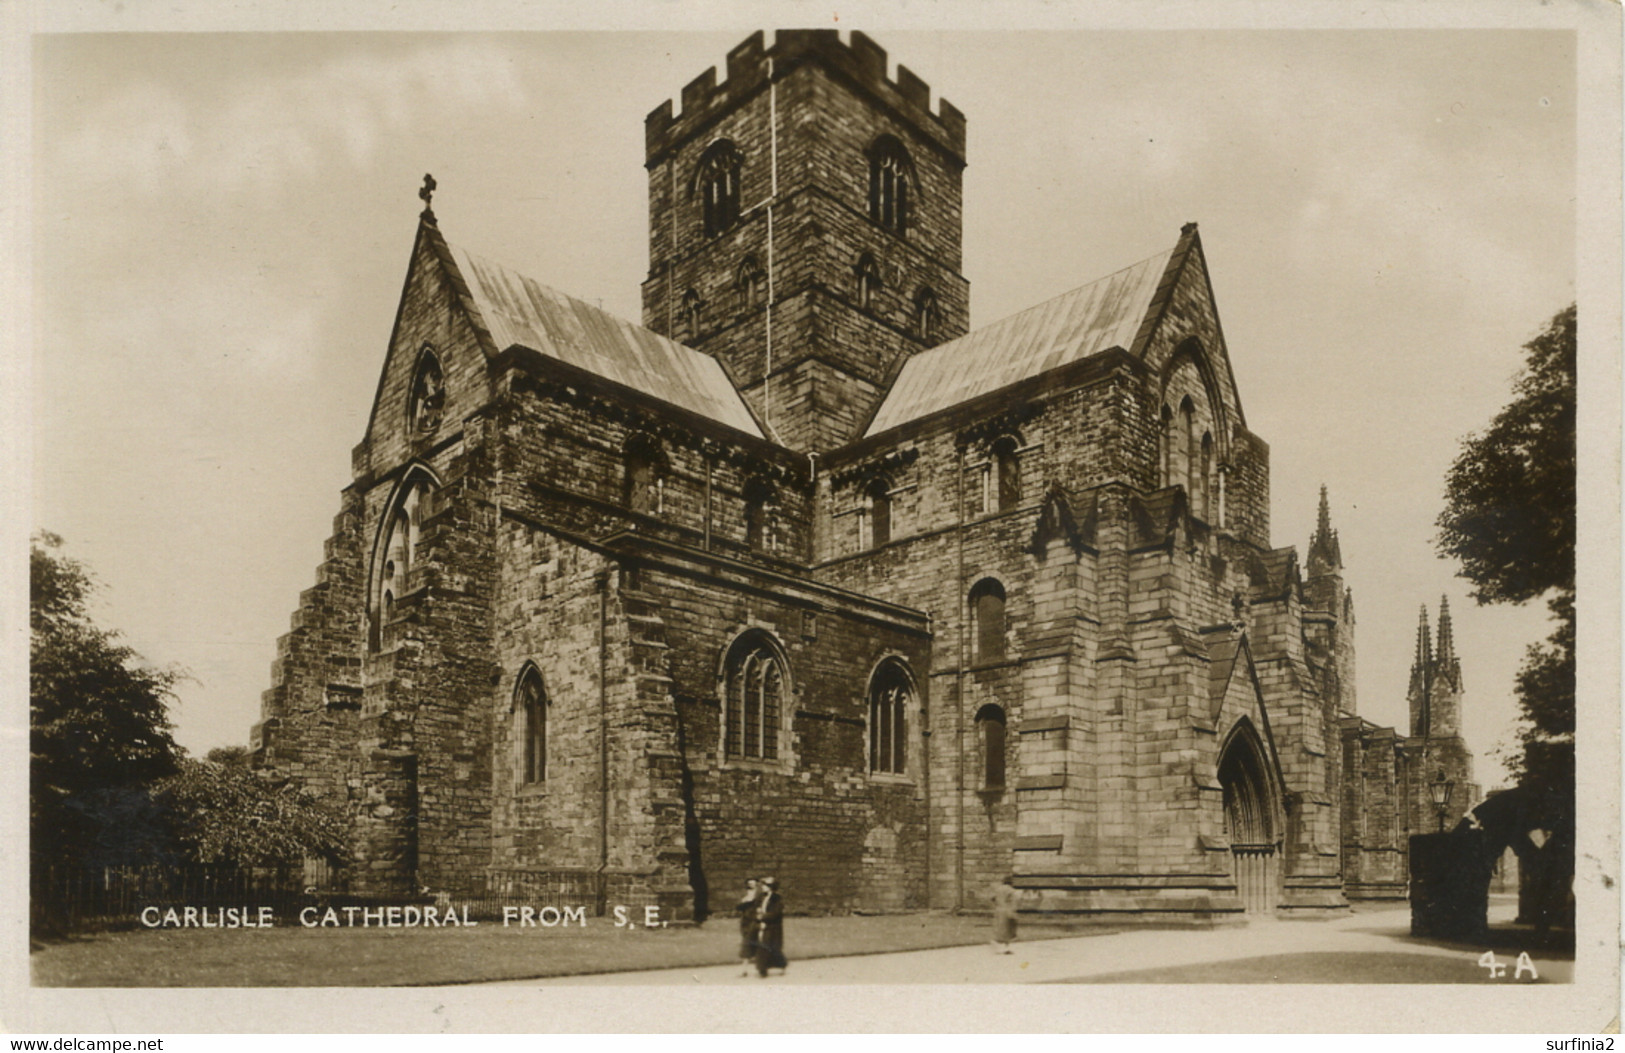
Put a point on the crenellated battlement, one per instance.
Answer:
(861, 60)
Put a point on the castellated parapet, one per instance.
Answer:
(862, 62)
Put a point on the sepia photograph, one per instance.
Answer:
(1064, 515)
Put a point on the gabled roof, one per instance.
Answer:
(515, 310)
(1086, 321)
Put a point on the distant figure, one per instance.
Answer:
(747, 926)
(770, 930)
(1006, 898)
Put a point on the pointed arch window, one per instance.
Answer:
(990, 734)
(716, 180)
(755, 688)
(890, 173)
(1167, 447)
(428, 393)
(1203, 500)
(395, 556)
(987, 615)
(926, 316)
(1187, 445)
(869, 285)
(530, 709)
(890, 691)
(751, 283)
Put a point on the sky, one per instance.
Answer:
(222, 222)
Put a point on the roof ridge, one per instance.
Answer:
(1081, 322)
(1050, 301)
(518, 310)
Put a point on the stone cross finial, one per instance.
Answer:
(427, 193)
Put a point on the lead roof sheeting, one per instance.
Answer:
(1086, 321)
(518, 310)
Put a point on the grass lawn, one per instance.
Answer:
(292, 956)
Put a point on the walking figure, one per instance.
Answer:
(747, 926)
(770, 931)
(1006, 899)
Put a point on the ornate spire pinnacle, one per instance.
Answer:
(1325, 555)
(427, 194)
(1424, 645)
(1446, 652)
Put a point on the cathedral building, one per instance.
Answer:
(801, 577)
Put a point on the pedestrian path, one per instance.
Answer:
(1378, 933)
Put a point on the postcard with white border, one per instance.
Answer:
(1079, 519)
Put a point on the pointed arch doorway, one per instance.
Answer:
(1250, 820)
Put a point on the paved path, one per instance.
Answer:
(1073, 958)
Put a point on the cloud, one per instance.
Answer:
(257, 138)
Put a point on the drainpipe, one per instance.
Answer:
(959, 695)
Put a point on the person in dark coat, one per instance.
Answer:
(747, 925)
(770, 930)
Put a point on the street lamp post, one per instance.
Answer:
(1440, 788)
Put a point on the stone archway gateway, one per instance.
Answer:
(1250, 821)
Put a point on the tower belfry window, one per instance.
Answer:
(890, 172)
(716, 180)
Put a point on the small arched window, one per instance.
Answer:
(990, 730)
(693, 308)
(1006, 464)
(716, 180)
(530, 710)
(879, 512)
(987, 612)
(645, 489)
(758, 522)
(396, 554)
(428, 393)
(890, 172)
(750, 283)
(755, 687)
(868, 277)
(890, 690)
(925, 315)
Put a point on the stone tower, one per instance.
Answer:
(1436, 745)
(805, 228)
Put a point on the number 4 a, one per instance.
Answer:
(1498, 969)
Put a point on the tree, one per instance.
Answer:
(221, 811)
(1509, 518)
(1509, 497)
(99, 726)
